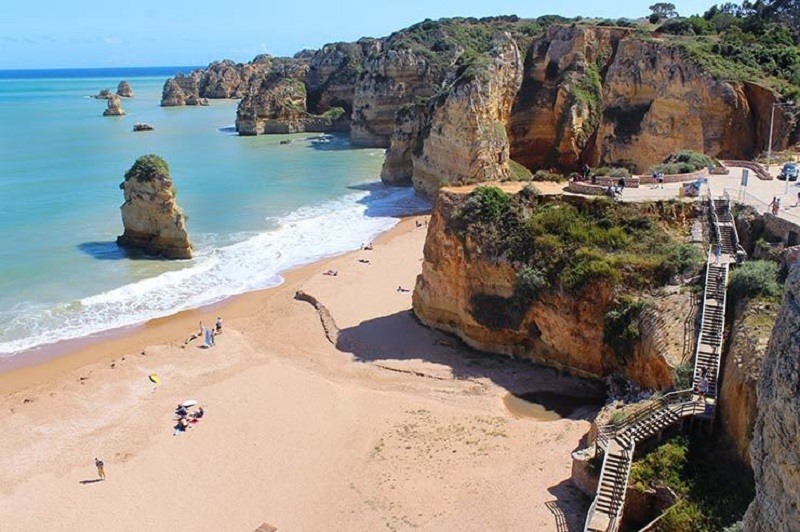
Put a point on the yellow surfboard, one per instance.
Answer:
(155, 378)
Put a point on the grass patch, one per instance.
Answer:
(755, 279)
(685, 162)
(573, 246)
(519, 172)
(714, 489)
(148, 168)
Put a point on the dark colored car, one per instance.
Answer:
(790, 171)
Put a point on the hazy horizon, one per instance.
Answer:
(55, 35)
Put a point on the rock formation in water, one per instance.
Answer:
(141, 126)
(104, 94)
(124, 89)
(114, 107)
(152, 219)
(775, 448)
(221, 79)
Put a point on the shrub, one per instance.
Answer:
(519, 172)
(147, 168)
(756, 278)
(544, 175)
(530, 282)
(487, 204)
(684, 162)
(334, 113)
(663, 467)
(680, 259)
(684, 374)
(621, 326)
(684, 516)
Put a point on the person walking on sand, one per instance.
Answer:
(775, 205)
(218, 325)
(101, 472)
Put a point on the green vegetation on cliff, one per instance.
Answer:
(575, 244)
(684, 162)
(713, 488)
(147, 168)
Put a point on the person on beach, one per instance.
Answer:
(332, 273)
(182, 425)
(218, 325)
(660, 179)
(208, 340)
(200, 413)
(101, 472)
(199, 334)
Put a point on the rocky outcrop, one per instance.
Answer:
(141, 126)
(124, 90)
(220, 79)
(180, 88)
(464, 140)
(152, 219)
(392, 79)
(104, 94)
(280, 107)
(741, 372)
(334, 72)
(114, 107)
(557, 328)
(775, 448)
(557, 109)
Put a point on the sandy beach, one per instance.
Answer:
(399, 428)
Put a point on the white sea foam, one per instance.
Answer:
(254, 262)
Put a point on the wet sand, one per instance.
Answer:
(405, 428)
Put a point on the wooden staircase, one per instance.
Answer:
(618, 440)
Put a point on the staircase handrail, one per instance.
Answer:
(609, 431)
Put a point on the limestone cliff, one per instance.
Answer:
(561, 96)
(749, 335)
(557, 109)
(279, 106)
(464, 140)
(775, 447)
(392, 79)
(114, 107)
(220, 79)
(152, 219)
(466, 290)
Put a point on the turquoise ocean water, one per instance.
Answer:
(255, 207)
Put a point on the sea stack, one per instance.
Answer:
(114, 107)
(124, 89)
(104, 94)
(152, 219)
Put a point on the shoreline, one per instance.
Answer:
(38, 366)
(390, 424)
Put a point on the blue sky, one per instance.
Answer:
(84, 33)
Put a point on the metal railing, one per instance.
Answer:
(682, 398)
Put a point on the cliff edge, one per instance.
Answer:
(775, 449)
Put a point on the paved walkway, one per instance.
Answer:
(757, 194)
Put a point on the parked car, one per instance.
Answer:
(790, 171)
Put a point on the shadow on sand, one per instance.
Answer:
(90, 481)
(400, 337)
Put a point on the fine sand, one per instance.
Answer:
(403, 429)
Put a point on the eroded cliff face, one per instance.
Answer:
(152, 219)
(463, 291)
(749, 335)
(775, 448)
(392, 79)
(221, 79)
(464, 139)
(556, 111)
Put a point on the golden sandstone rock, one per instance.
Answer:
(152, 219)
